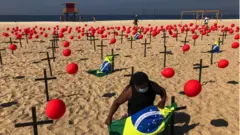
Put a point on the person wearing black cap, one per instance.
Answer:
(140, 93)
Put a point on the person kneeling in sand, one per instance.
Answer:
(140, 93)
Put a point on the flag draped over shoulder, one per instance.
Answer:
(149, 121)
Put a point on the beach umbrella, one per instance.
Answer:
(72, 68)
(55, 109)
(223, 63)
(192, 88)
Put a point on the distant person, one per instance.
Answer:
(81, 18)
(94, 18)
(221, 17)
(61, 19)
(135, 22)
(206, 20)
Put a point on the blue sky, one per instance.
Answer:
(95, 7)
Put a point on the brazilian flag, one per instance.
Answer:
(106, 67)
(149, 121)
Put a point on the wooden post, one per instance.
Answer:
(101, 48)
(145, 47)
(1, 59)
(211, 60)
(200, 67)
(26, 35)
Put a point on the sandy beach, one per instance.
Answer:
(82, 93)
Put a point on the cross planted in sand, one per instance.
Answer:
(102, 45)
(49, 63)
(35, 123)
(46, 82)
(200, 67)
(145, 47)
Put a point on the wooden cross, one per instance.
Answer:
(20, 41)
(145, 47)
(211, 59)
(114, 33)
(1, 58)
(101, 48)
(35, 123)
(11, 43)
(165, 53)
(55, 39)
(185, 40)
(129, 75)
(49, 63)
(26, 35)
(1, 62)
(150, 35)
(177, 35)
(200, 67)
(46, 82)
(87, 34)
(223, 34)
(92, 38)
(131, 40)
(121, 37)
(53, 49)
(164, 37)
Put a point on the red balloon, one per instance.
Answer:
(71, 37)
(223, 63)
(72, 68)
(66, 43)
(186, 47)
(192, 88)
(232, 25)
(112, 41)
(236, 37)
(154, 33)
(235, 45)
(36, 36)
(18, 36)
(195, 36)
(174, 35)
(66, 52)
(168, 72)
(55, 109)
(12, 47)
(140, 36)
(45, 35)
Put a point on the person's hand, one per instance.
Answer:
(161, 104)
(108, 121)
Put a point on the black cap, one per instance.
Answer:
(139, 78)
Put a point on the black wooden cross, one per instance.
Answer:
(11, 43)
(185, 40)
(200, 67)
(145, 47)
(1, 58)
(92, 38)
(223, 34)
(26, 35)
(211, 59)
(53, 49)
(114, 33)
(35, 123)
(20, 41)
(1, 62)
(165, 53)
(121, 37)
(150, 35)
(129, 75)
(177, 35)
(56, 39)
(102, 45)
(131, 40)
(46, 82)
(164, 37)
(49, 63)
(87, 34)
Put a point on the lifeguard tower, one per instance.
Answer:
(70, 11)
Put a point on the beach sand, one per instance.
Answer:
(83, 93)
